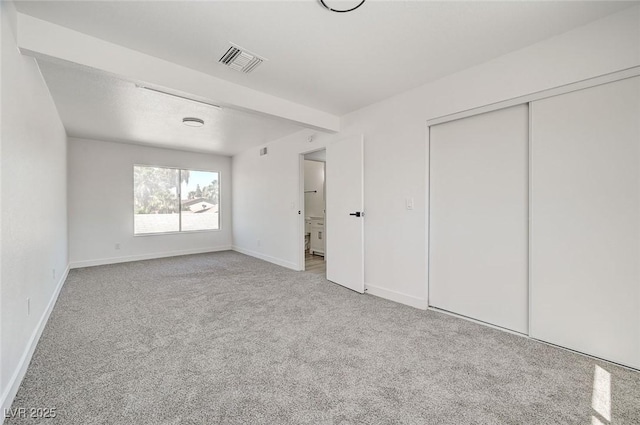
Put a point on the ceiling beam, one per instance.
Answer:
(43, 39)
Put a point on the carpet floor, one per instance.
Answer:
(223, 338)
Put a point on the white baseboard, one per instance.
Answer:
(129, 258)
(398, 297)
(274, 260)
(471, 319)
(23, 364)
(489, 325)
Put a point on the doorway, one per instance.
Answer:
(313, 166)
(342, 218)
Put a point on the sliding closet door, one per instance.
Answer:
(478, 217)
(585, 229)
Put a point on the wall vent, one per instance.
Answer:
(263, 151)
(241, 60)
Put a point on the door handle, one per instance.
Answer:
(357, 214)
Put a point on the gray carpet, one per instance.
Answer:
(227, 339)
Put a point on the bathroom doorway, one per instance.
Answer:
(314, 208)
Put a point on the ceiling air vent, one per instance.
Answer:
(240, 60)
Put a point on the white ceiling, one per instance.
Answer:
(332, 62)
(329, 61)
(99, 106)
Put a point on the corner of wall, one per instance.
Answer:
(13, 384)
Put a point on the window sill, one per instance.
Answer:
(184, 232)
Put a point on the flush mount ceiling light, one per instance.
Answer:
(340, 9)
(192, 122)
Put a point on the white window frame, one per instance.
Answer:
(178, 232)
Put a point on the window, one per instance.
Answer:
(174, 200)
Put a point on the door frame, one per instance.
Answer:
(301, 215)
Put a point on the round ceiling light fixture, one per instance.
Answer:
(341, 10)
(192, 122)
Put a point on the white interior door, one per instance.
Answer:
(479, 217)
(585, 221)
(344, 216)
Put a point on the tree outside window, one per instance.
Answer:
(175, 200)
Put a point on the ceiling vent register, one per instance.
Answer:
(240, 59)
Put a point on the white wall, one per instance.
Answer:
(101, 203)
(34, 207)
(266, 200)
(314, 180)
(396, 162)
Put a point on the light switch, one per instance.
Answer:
(409, 202)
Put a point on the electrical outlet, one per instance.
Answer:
(259, 242)
(53, 272)
(117, 246)
(28, 306)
